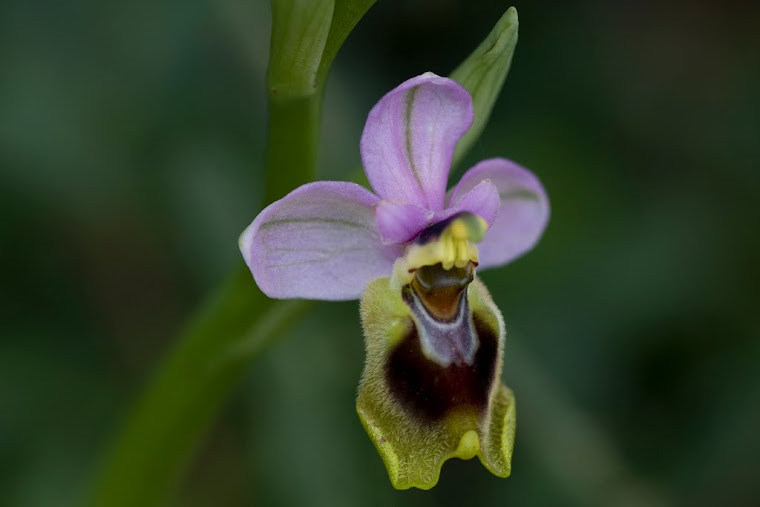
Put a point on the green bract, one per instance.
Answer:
(483, 74)
(413, 441)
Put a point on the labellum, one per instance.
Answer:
(431, 388)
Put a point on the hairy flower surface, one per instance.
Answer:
(431, 387)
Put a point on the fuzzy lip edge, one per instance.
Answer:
(381, 322)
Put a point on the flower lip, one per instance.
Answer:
(419, 412)
(429, 391)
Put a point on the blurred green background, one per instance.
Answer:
(131, 149)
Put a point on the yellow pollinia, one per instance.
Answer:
(454, 247)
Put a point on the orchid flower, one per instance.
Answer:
(431, 388)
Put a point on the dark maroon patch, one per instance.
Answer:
(430, 391)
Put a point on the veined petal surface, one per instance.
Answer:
(481, 200)
(523, 210)
(410, 136)
(318, 242)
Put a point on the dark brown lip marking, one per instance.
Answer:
(429, 391)
(462, 350)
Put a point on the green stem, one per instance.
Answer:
(300, 62)
(188, 389)
(293, 143)
(235, 324)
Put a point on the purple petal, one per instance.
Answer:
(409, 139)
(481, 200)
(523, 213)
(399, 222)
(318, 242)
